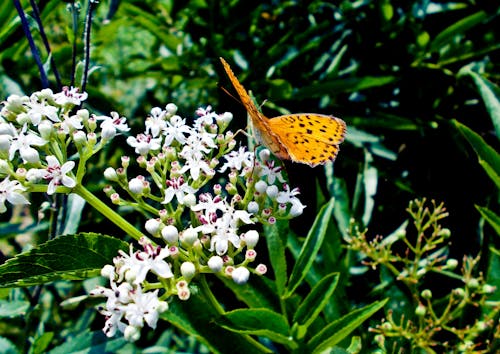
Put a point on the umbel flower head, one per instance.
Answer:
(205, 199)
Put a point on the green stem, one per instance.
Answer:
(109, 213)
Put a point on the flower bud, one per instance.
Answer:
(451, 263)
(170, 234)
(132, 334)
(153, 226)
(446, 233)
(250, 255)
(189, 200)
(136, 185)
(473, 283)
(79, 137)
(426, 294)
(108, 271)
(188, 270)
(83, 114)
(420, 310)
(110, 174)
(261, 269)
(171, 108)
(215, 264)
(45, 128)
(240, 275)
(253, 207)
(189, 236)
(272, 191)
(115, 198)
(261, 186)
(251, 238)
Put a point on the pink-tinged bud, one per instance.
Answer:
(125, 161)
(271, 220)
(250, 255)
(184, 294)
(261, 269)
(115, 198)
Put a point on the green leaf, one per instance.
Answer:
(70, 257)
(310, 248)
(484, 152)
(446, 36)
(261, 322)
(13, 308)
(336, 86)
(276, 251)
(316, 301)
(490, 93)
(341, 328)
(257, 292)
(90, 342)
(74, 214)
(7, 347)
(492, 218)
(196, 317)
(42, 342)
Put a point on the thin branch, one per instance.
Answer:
(36, 16)
(31, 42)
(88, 25)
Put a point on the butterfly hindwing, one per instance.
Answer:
(309, 138)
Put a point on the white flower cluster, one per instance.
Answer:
(205, 199)
(38, 134)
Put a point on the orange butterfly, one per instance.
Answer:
(308, 138)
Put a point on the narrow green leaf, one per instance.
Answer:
(310, 248)
(490, 172)
(343, 85)
(316, 301)
(459, 27)
(276, 251)
(41, 342)
(490, 93)
(492, 218)
(90, 342)
(70, 257)
(483, 150)
(341, 328)
(13, 308)
(261, 322)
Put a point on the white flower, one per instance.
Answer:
(175, 130)
(288, 196)
(11, 191)
(113, 125)
(56, 174)
(177, 188)
(271, 172)
(38, 109)
(210, 204)
(22, 142)
(238, 159)
(139, 264)
(156, 123)
(70, 96)
(71, 123)
(145, 307)
(226, 228)
(144, 143)
(206, 116)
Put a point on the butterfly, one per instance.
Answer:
(308, 138)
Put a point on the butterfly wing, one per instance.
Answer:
(265, 134)
(309, 138)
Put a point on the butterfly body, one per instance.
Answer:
(307, 138)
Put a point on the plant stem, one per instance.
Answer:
(107, 211)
